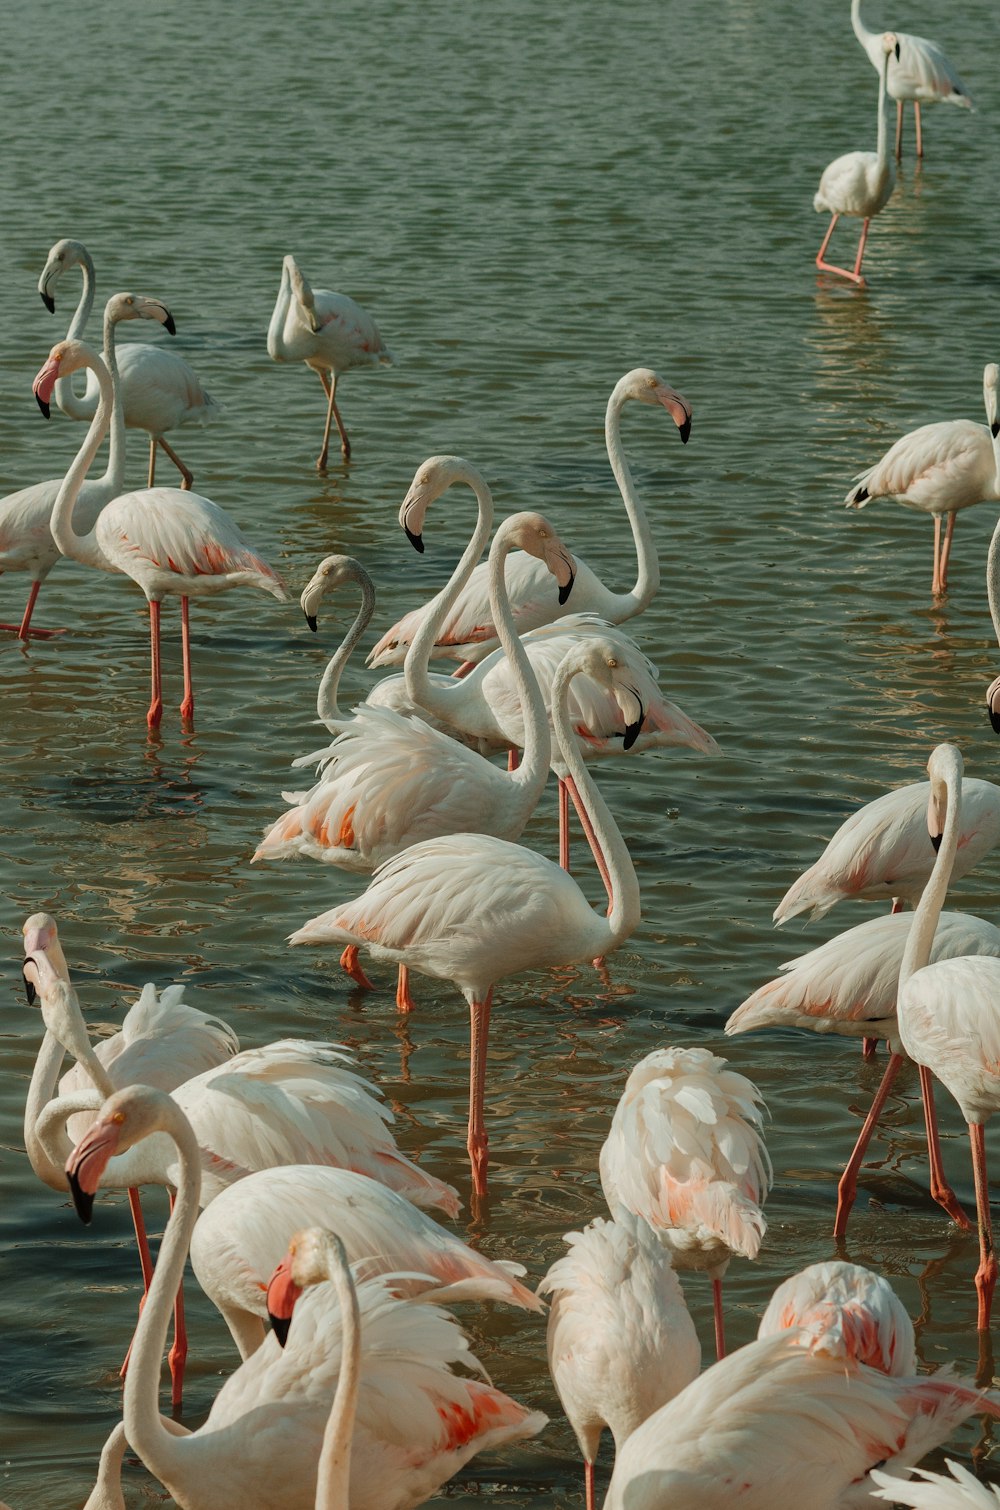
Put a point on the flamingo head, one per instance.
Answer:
(138, 307)
(307, 1262)
(644, 385)
(64, 255)
(890, 44)
(125, 1118)
(432, 478)
(301, 290)
(534, 534)
(993, 704)
(65, 358)
(624, 671)
(332, 571)
(945, 769)
(991, 397)
(43, 956)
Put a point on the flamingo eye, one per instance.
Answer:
(118, 1117)
(612, 663)
(651, 382)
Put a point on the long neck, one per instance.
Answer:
(61, 1009)
(920, 939)
(993, 568)
(860, 29)
(51, 1127)
(64, 395)
(114, 476)
(44, 1080)
(162, 1452)
(648, 574)
(326, 698)
(334, 1469)
(532, 774)
(625, 908)
(276, 328)
(107, 1491)
(83, 547)
(415, 668)
(881, 140)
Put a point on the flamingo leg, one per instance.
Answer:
(187, 706)
(138, 1222)
(848, 1187)
(152, 462)
(404, 1001)
(24, 630)
(513, 758)
(940, 1189)
(861, 250)
(592, 840)
(333, 413)
(899, 129)
(478, 1142)
(155, 712)
(177, 1356)
(936, 577)
(986, 1274)
(720, 1327)
(185, 472)
(832, 267)
(563, 825)
(920, 139)
(826, 242)
(869, 1045)
(463, 670)
(350, 963)
(946, 552)
(588, 1484)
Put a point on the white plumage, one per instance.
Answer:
(844, 1311)
(920, 72)
(936, 1491)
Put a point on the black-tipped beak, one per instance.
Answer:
(29, 986)
(994, 719)
(995, 428)
(82, 1199)
(417, 541)
(633, 730)
(936, 841)
(565, 591)
(43, 404)
(48, 301)
(311, 621)
(685, 431)
(280, 1326)
(169, 325)
(897, 52)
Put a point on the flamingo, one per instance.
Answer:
(685, 1151)
(330, 333)
(775, 1427)
(993, 596)
(949, 1013)
(469, 631)
(166, 540)
(939, 469)
(849, 986)
(260, 1446)
(859, 183)
(621, 1341)
(243, 1234)
(160, 392)
(26, 542)
(473, 909)
(844, 1311)
(935, 1491)
(922, 74)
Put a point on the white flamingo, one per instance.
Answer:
(844, 1311)
(993, 596)
(165, 539)
(621, 1341)
(921, 73)
(160, 392)
(416, 1421)
(26, 542)
(473, 909)
(859, 183)
(330, 333)
(939, 469)
(469, 632)
(685, 1152)
(935, 1491)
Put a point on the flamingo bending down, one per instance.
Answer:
(26, 542)
(166, 540)
(473, 909)
(416, 1423)
(939, 469)
(844, 1311)
(468, 633)
(160, 392)
(685, 1152)
(949, 1013)
(330, 333)
(935, 1491)
(859, 183)
(993, 595)
(242, 1235)
(621, 1341)
(921, 73)
(776, 1427)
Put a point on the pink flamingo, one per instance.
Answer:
(935, 1491)
(330, 333)
(939, 469)
(165, 539)
(844, 1311)
(921, 73)
(686, 1153)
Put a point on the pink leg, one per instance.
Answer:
(513, 758)
(463, 670)
(592, 840)
(563, 825)
(940, 1189)
(187, 706)
(333, 413)
(404, 1001)
(152, 462)
(720, 1329)
(156, 702)
(869, 1045)
(351, 964)
(832, 267)
(986, 1274)
(848, 1187)
(946, 553)
(920, 139)
(861, 250)
(23, 630)
(177, 1356)
(899, 129)
(936, 578)
(187, 476)
(588, 1483)
(478, 1142)
(821, 254)
(138, 1222)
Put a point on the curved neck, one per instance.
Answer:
(648, 566)
(63, 1017)
(83, 547)
(415, 668)
(334, 1470)
(326, 698)
(44, 1080)
(64, 395)
(625, 907)
(920, 939)
(107, 1492)
(860, 29)
(993, 567)
(881, 140)
(114, 476)
(277, 325)
(51, 1126)
(532, 773)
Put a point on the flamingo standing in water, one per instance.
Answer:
(165, 539)
(473, 909)
(686, 1153)
(921, 73)
(935, 1491)
(400, 1452)
(26, 542)
(160, 392)
(330, 333)
(939, 469)
(859, 183)
(469, 631)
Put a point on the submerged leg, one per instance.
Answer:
(155, 712)
(185, 472)
(333, 413)
(936, 588)
(187, 706)
(848, 1187)
(833, 267)
(940, 1189)
(899, 129)
(920, 139)
(404, 1001)
(350, 963)
(862, 239)
(986, 1274)
(720, 1328)
(946, 553)
(478, 1142)
(24, 630)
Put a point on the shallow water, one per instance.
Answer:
(530, 202)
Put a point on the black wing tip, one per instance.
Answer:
(417, 541)
(48, 301)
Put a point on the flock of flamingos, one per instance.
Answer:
(287, 1188)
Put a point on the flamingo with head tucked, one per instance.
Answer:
(844, 1311)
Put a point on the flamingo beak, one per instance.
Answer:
(282, 1293)
(633, 730)
(417, 541)
(48, 301)
(169, 325)
(44, 383)
(311, 621)
(88, 1162)
(29, 985)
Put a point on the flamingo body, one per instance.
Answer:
(844, 1311)
(937, 469)
(921, 71)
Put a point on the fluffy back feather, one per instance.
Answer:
(844, 1311)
